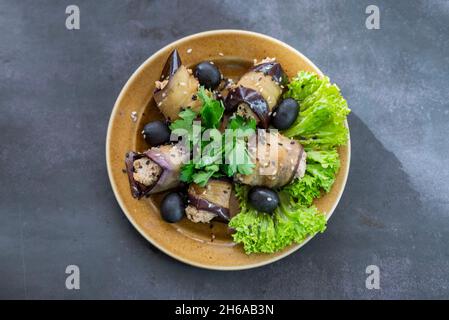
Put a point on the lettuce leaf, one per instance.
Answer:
(265, 233)
(323, 111)
(322, 167)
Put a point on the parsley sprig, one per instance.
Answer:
(218, 153)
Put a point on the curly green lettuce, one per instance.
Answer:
(264, 233)
(323, 110)
(321, 171)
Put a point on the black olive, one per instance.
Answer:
(263, 199)
(156, 133)
(208, 75)
(285, 114)
(172, 207)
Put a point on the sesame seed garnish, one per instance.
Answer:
(189, 50)
(269, 199)
(134, 116)
(211, 62)
(221, 54)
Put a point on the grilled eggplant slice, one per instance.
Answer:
(257, 92)
(154, 170)
(278, 160)
(176, 89)
(248, 103)
(210, 202)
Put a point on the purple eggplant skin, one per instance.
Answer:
(172, 65)
(203, 204)
(253, 99)
(138, 190)
(273, 69)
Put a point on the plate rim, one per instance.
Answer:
(113, 183)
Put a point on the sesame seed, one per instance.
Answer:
(189, 50)
(182, 84)
(269, 199)
(211, 62)
(221, 54)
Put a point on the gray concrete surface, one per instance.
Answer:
(57, 89)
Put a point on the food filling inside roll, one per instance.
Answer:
(146, 171)
(245, 111)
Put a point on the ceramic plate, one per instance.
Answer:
(197, 244)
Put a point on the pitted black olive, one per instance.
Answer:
(172, 207)
(285, 114)
(263, 199)
(208, 75)
(156, 133)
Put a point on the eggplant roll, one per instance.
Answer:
(154, 170)
(176, 88)
(209, 202)
(257, 92)
(278, 160)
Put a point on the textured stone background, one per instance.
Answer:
(57, 89)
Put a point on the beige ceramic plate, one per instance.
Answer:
(233, 51)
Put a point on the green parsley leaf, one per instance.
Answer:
(187, 171)
(212, 110)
